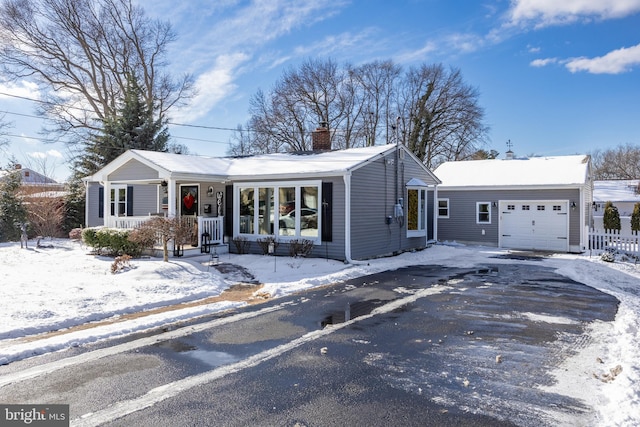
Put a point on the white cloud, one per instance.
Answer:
(24, 89)
(333, 43)
(213, 86)
(615, 62)
(543, 62)
(37, 155)
(420, 54)
(554, 12)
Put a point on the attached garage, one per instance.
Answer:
(534, 224)
(538, 203)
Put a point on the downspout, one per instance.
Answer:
(435, 213)
(347, 221)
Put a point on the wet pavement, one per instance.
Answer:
(459, 347)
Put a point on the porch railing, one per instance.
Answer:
(212, 226)
(603, 240)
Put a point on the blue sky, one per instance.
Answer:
(555, 77)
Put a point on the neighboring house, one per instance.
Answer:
(35, 185)
(624, 194)
(538, 203)
(33, 179)
(353, 204)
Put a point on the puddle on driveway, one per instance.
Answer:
(208, 357)
(213, 358)
(351, 311)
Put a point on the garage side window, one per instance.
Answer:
(483, 213)
(443, 208)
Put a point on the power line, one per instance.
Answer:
(90, 111)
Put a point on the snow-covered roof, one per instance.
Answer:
(180, 163)
(621, 190)
(277, 165)
(320, 163)
(534, 171)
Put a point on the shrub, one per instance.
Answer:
(144, 237)
(635, 217)
(608, 257)
(266, 242)
(301, 247)
(242, 244)
(110, 242)
(75, 234)
(611, 218)
(121, 263)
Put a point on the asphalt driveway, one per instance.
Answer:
(477, 352)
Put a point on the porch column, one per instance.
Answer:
(171, 196)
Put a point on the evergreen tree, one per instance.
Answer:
(74, 204)
(635, 217)
(133, 127)
(12, 211)
(611, 218)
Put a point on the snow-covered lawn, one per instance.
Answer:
(57, 288)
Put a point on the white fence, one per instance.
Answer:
(603, 240)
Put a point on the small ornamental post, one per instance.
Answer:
(24, 239)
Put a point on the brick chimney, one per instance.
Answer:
(321, 138)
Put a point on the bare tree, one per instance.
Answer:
(430, 109)
(80, 52)
(445, 119)
(378, 81)
(4, 127)
(622, 162)
(45, 211)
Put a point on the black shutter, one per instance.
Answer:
(327, 211)
(228, 210)
(129, 200)
(101, 202)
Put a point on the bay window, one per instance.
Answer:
(286, 210)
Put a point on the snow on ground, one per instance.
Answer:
(63, 286)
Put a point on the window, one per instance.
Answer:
(443, 208)
(511, 207)
(118, 200)
(557, 207)
(483, 213)
(525, 207)
(416, 212)
(541, 207)
(286, 211)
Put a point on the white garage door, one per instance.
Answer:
(538, 225)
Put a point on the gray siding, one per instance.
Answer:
(145, 199)
(461, 225)
(374, 192)
(133, 170)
